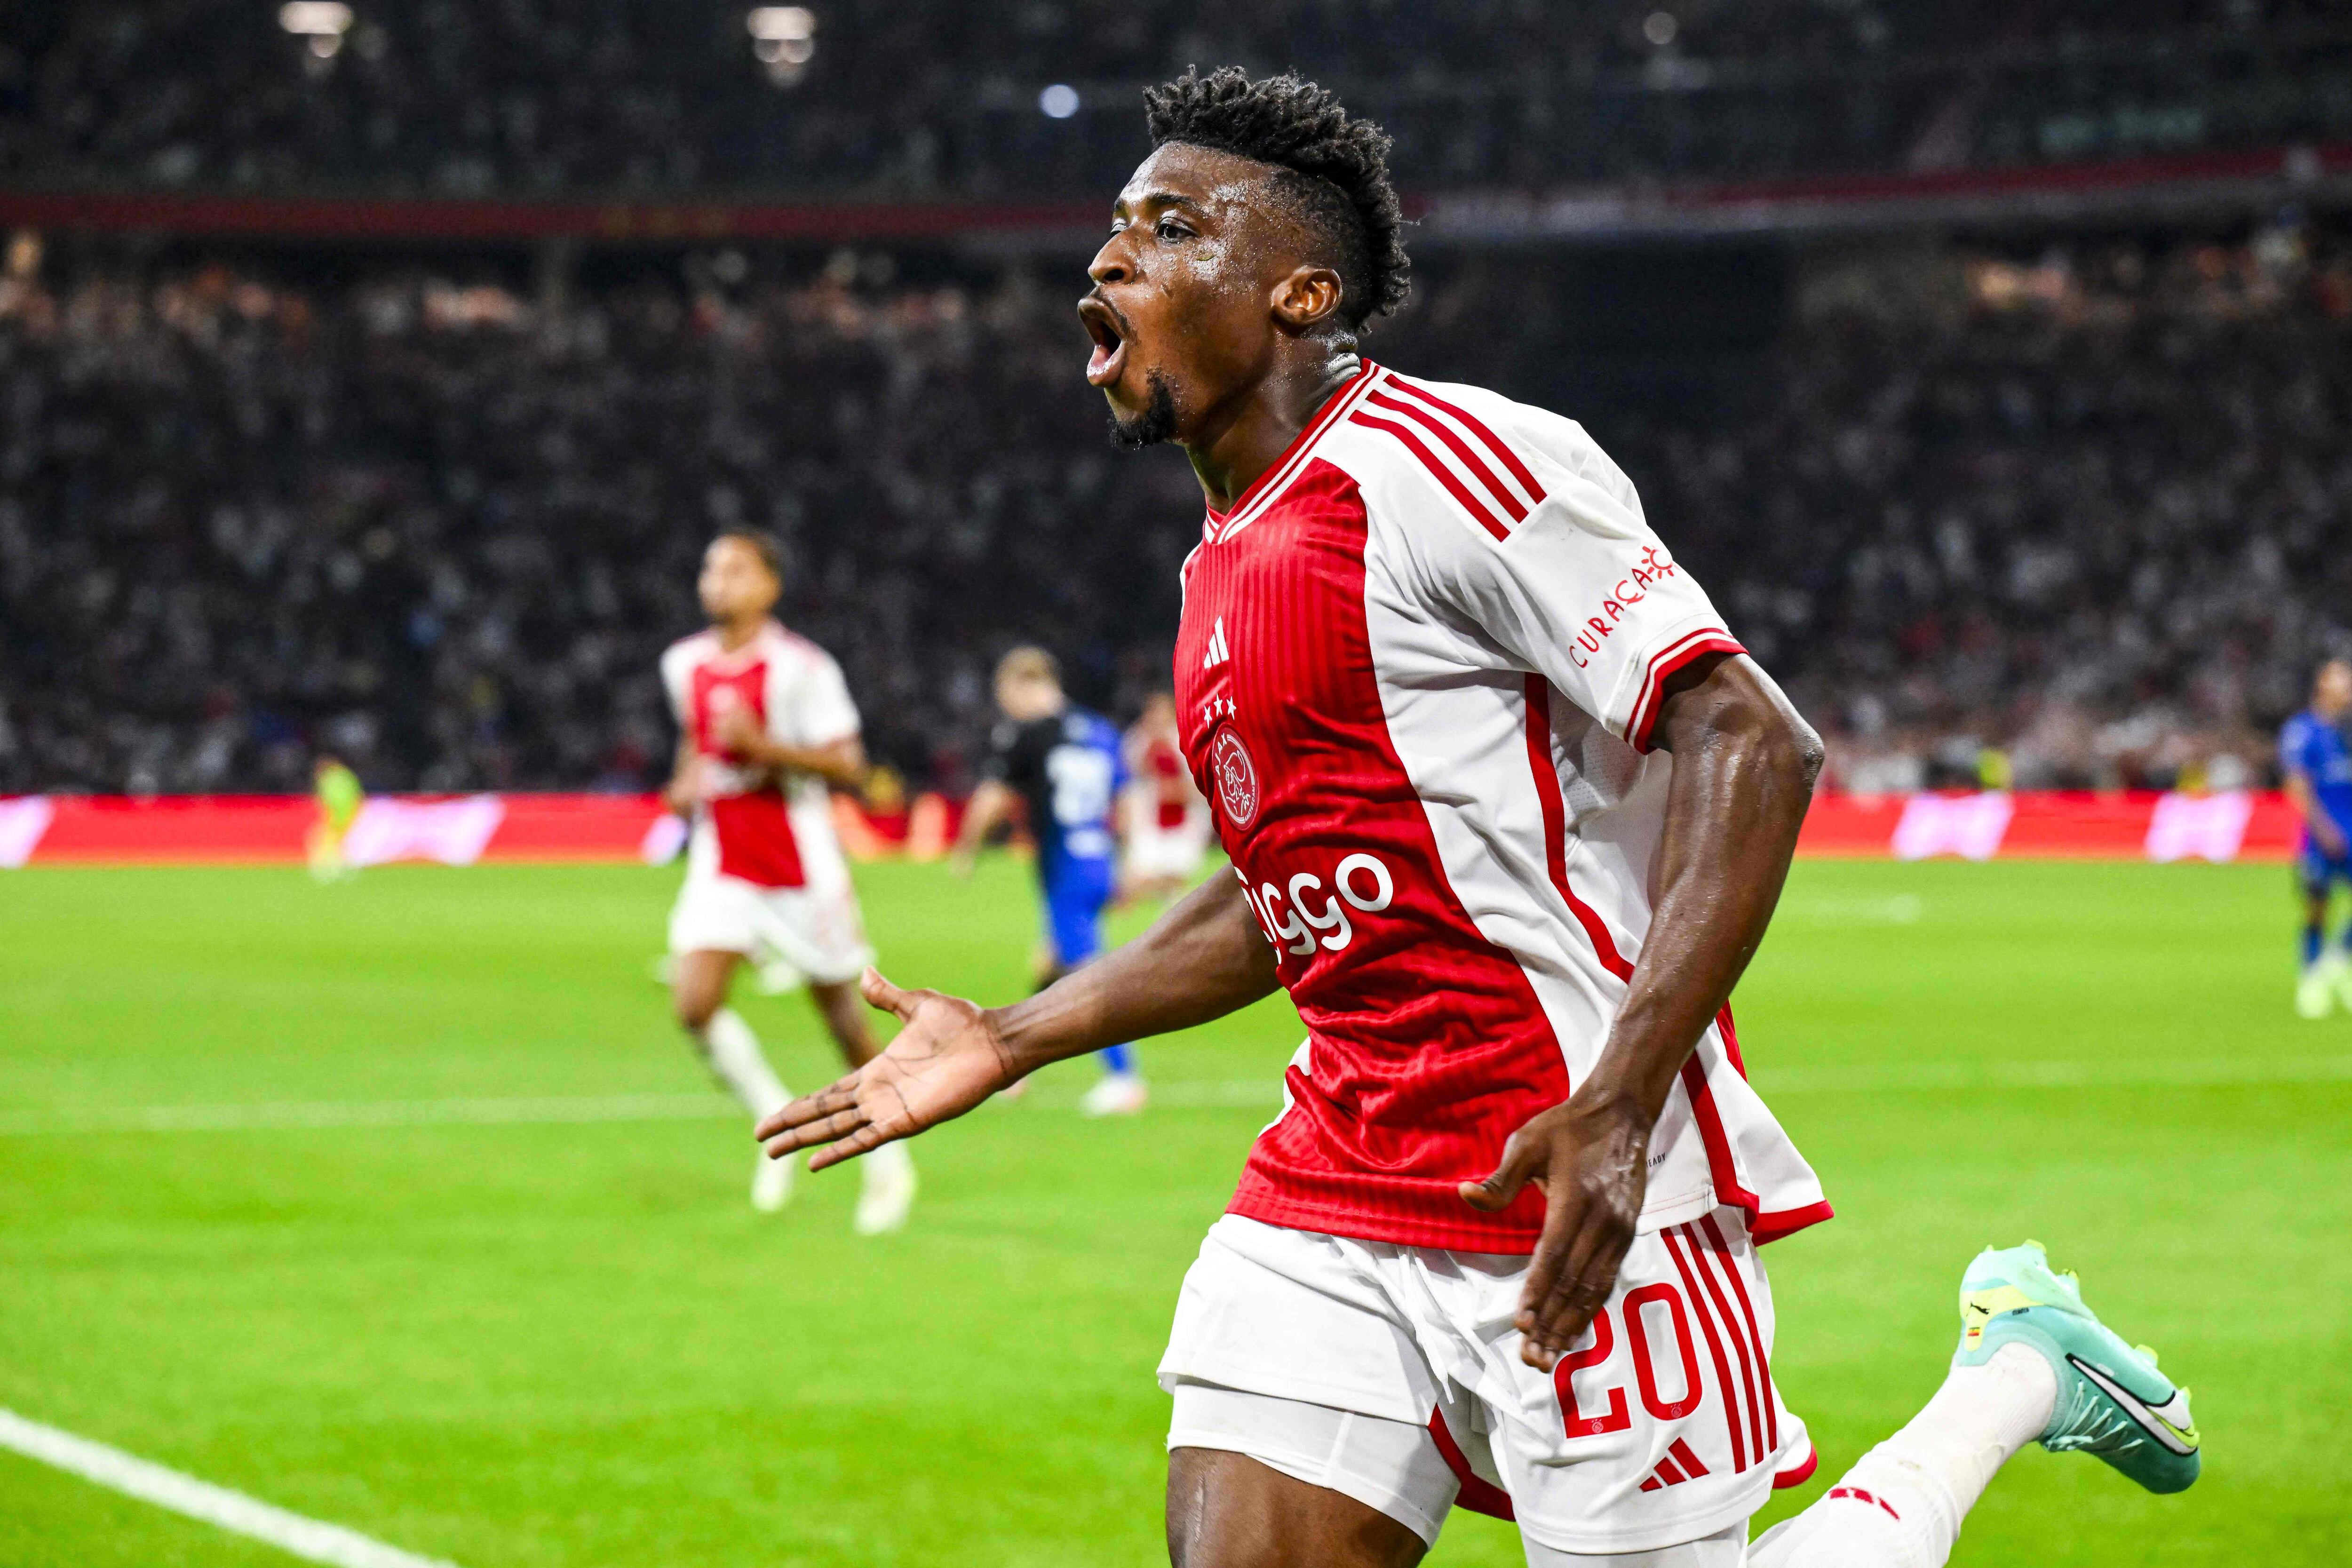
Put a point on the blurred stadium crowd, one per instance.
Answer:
(2068, 520)
(542, 97)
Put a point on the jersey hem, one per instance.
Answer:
(1400, 1231)
(1770, 1228)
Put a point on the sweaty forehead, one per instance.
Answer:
(1218, 184)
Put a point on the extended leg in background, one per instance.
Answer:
(698, 983)
(888, 1173)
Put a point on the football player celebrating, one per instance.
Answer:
(1508, 810)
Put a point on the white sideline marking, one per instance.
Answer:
(329, 1113)
(2193, 1072)
(306, 1538)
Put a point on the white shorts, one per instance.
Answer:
(1393, 1375)
(1156, 851)
(815, 930)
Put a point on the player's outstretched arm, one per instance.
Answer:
(1203, 959)
(1744, 769)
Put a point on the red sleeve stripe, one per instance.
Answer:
(1438, 428)
(1663, 664)
(1755, 1335)
(1500, 447)
(1675, 1240)
(1554, 820)
(1444, 475)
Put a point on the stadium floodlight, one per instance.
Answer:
(1059, 101)
(784, 40)
(1660, 27)
(323, 22)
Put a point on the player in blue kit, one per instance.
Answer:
(2315, 759)
(1066, 766)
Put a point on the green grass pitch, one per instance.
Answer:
(529, 1344)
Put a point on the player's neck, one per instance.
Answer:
(1242, 440)
(732, 635)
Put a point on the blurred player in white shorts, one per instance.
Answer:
(765, 727)
(1167, 823)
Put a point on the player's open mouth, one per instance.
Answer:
(1109, 333)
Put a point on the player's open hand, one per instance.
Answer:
(946, 1061)
(1589, 1157)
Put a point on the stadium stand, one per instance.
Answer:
(531, 98)
(2061, 515)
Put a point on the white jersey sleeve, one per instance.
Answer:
(1551, 562)
(808, 700)
(1581, 591)
(678, 662)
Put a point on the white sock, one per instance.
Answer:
(1902, 1505)
(733, 1052)
(887, 1163)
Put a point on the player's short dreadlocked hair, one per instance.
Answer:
(1333, 168)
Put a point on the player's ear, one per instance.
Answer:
(1306, 298)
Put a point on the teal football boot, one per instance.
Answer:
(2112, 1401)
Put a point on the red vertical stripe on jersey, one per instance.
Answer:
(1731, 1421)
(1662, 665)
(1555, 818)
(1500, 447)
(1470, 503)
(1478, 1494)
(1706, 1262)
(1718, 1144)
(1724, 1027)
(1755, 1333)
(1438, 428)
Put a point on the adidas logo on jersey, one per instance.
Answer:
(1218, 651)
(1680, 1465)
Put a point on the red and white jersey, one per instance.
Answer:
(1417, 671)
(1157, 764)
(769, 831)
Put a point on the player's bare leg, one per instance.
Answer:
(698, 983)
(1227, 1510)
(889, 1180)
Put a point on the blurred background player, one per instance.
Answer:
(1167, 822)
(1063, 763)
(765, 725)
(2316, 766)
(337, 790)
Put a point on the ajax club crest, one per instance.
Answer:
(1235, 776)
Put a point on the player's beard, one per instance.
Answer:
(1156, 424)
